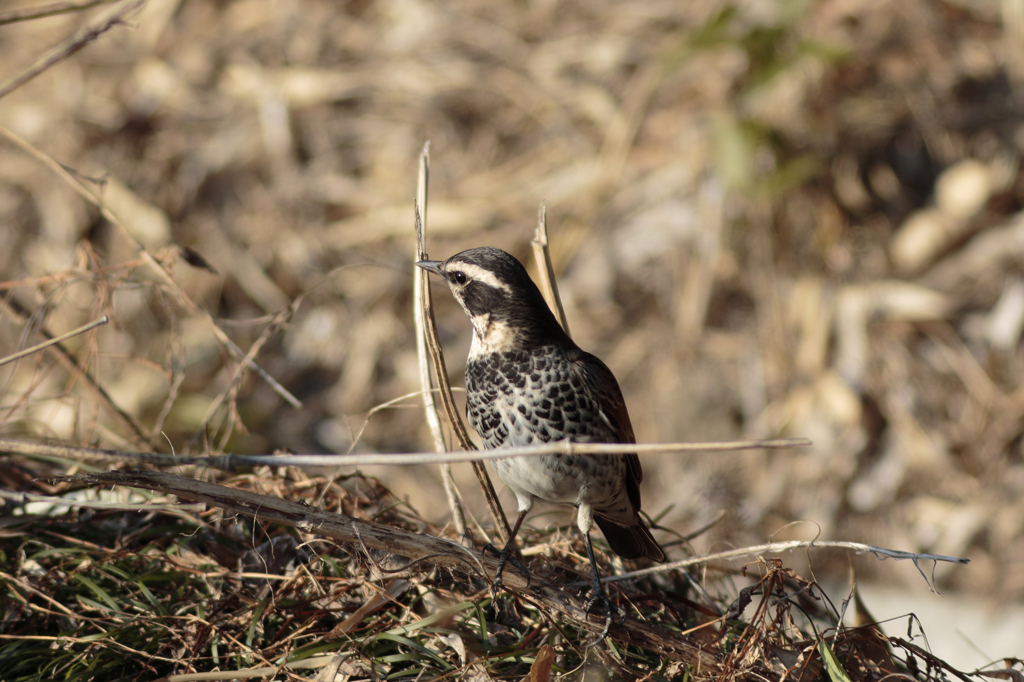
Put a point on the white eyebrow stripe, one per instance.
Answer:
(479, 274)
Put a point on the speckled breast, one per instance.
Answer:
(525, 398)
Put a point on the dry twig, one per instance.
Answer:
(53, 9)
(72, 44)
(55, 340)
(231, 462)
(76, 368)
(422, 308)
(427, 332)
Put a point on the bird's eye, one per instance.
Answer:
(459, 277)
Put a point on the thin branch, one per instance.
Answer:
(778, 547)
(55, 340)
(429, 334)
(421, 292)
(72, 44)
(229, 394)
(76, 368)
(51, 10)
(231, 462)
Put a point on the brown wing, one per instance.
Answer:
(635, 541)
(601, 382)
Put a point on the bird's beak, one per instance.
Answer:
(433, 266)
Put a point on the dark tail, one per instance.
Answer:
(630, 542)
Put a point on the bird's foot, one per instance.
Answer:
(506, 554)
(599, 596)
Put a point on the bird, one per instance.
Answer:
(528, 383)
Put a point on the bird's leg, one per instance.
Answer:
(508, 554)
(597, 595)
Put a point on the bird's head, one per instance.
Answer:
(505, 306)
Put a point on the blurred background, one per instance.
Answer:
(768, 218)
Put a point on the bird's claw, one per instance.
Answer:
(505, 555)
(599, 596)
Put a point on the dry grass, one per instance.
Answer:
(749, 220)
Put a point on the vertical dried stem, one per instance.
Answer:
(542, 257)
(427, 341)
(421, 296)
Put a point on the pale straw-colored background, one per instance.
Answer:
(768, 218)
